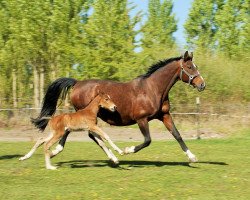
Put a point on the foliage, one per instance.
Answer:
(43, 40)
(233, 38)
(108, 41)
(160, 171)
(157, 32)
(200, 26)
(219, 26)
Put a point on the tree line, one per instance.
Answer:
(45, 39)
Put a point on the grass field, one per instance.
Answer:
(160, 171)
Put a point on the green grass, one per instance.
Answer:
(160, 171)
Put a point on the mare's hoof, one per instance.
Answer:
(129, 150)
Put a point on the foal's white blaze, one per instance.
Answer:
(191, 157)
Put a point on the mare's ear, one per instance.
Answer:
(186, 56)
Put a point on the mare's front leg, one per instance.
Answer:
(143, 125)
(168, 122)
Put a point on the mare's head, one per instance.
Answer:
(189, 72)
(107, 103)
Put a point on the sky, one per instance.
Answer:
(181, 9)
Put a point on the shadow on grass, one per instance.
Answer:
(8, 157)
(127, 164)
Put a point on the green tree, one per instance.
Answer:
(200, 26)
(39, 39)
(157, 32)
(108, 37)
(233, 27)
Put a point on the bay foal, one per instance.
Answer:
(84, 119)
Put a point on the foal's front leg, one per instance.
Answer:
(168, 122)
(101, 144)
(104, 135)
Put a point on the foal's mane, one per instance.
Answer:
(159, 65)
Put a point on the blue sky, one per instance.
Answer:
(181, 9)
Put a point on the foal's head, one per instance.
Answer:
(106, 102)
(189, 72)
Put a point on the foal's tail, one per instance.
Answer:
(59, 86)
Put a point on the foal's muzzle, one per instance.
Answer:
(113, 108)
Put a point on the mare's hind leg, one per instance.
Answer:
(101, 144)
(47, 153)
(39, 142)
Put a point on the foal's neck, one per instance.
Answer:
(93, 106)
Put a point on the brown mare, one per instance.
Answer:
(83, 119)
(138, 101)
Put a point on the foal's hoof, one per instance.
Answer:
(51, 167)
(113, 164)
(193, 159)
(22, 158)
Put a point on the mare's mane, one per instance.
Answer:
(159, 65)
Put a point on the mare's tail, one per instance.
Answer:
(59, 86)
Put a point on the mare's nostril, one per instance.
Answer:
(203, 85)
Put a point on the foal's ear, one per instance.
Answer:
(191, 55)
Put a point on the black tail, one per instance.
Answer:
(58, 87)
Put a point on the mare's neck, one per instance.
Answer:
(163, 79)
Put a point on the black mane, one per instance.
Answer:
(158, 65)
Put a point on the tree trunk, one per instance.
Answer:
(14, 88)
(36, 88)
(53, 72)
(66, 102)
(41, 85)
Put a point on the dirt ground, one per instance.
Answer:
(29, 133)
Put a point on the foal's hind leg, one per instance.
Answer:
(60, 146)
(39, 142)
(47, 153)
